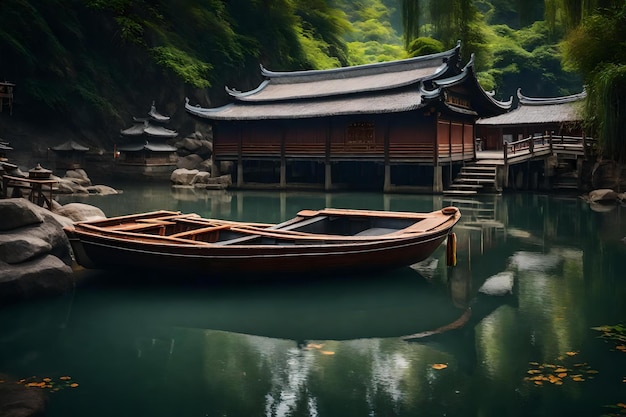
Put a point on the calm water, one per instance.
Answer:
(335, 348)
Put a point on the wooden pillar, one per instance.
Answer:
(387, 180)
(437, 179)
(387, 175)
(239, 172)
(283, 173)
(240, 180)
(328, 180)
(283, 159)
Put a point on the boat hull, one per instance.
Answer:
(103, 252)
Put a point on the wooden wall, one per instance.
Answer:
(401, 137)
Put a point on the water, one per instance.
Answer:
(336, 347)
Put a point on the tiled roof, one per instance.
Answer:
(566, 109)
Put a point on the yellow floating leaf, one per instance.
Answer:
(562, 374)
(578, 379)
(327, 352)
(74, 385)
(533, 371)
(621, 347)
(549, 365)
(65, 378)
(315, 345)
(538, 383)
(534, 363)
(553, 379)
(557, 370)
(440, 366)
(592, 371)
(622, 405)
(36, 384)
(559, 382)
(47, 379)
(572, 353)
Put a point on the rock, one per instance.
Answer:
(17, 400)
(68, 186)
(191, 144)
(102, 190)
(205, 150)
(80, 212)
(21, 247)
(183, 176)
(601, 195)
(35, 254)
(16, 212)
(189, 162)
(205, 165)
(42, 276)
(201, 177)
(79, 176)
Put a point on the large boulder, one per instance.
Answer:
(183, 176)
(35, 255)
(189, 162)
(80, 212)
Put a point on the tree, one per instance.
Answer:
(596, 49)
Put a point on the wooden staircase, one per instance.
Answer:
(474, 179)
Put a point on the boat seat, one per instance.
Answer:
(300, 224)
(376, 231)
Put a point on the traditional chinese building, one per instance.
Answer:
(144, 151)
(390, 125)
(533, 116)
(69, 155)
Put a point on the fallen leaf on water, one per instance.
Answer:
(439, 366)
(65, 378)
(327, 352)
(47, 379)
(578, 379)
(74, 385)
(562, 375)
(315, 346)
(571, 353)
(560, 370)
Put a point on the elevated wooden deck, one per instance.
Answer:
(489, 172)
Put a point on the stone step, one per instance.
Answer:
(460, 192)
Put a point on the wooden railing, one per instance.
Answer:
(549, 144)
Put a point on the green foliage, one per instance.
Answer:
(425, 46)
(596, 49)
(372, 37)
(189, 69)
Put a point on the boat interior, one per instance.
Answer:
(324, 226)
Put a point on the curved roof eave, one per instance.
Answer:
(241, 94)
(389, 64)
(540, 101)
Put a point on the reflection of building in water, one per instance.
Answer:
(482, 221)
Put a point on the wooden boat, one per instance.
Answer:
(313, 242)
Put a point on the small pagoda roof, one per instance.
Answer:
(144, 127)
(540, 110)
(70, 145)
(156, 116)
(154, 147)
